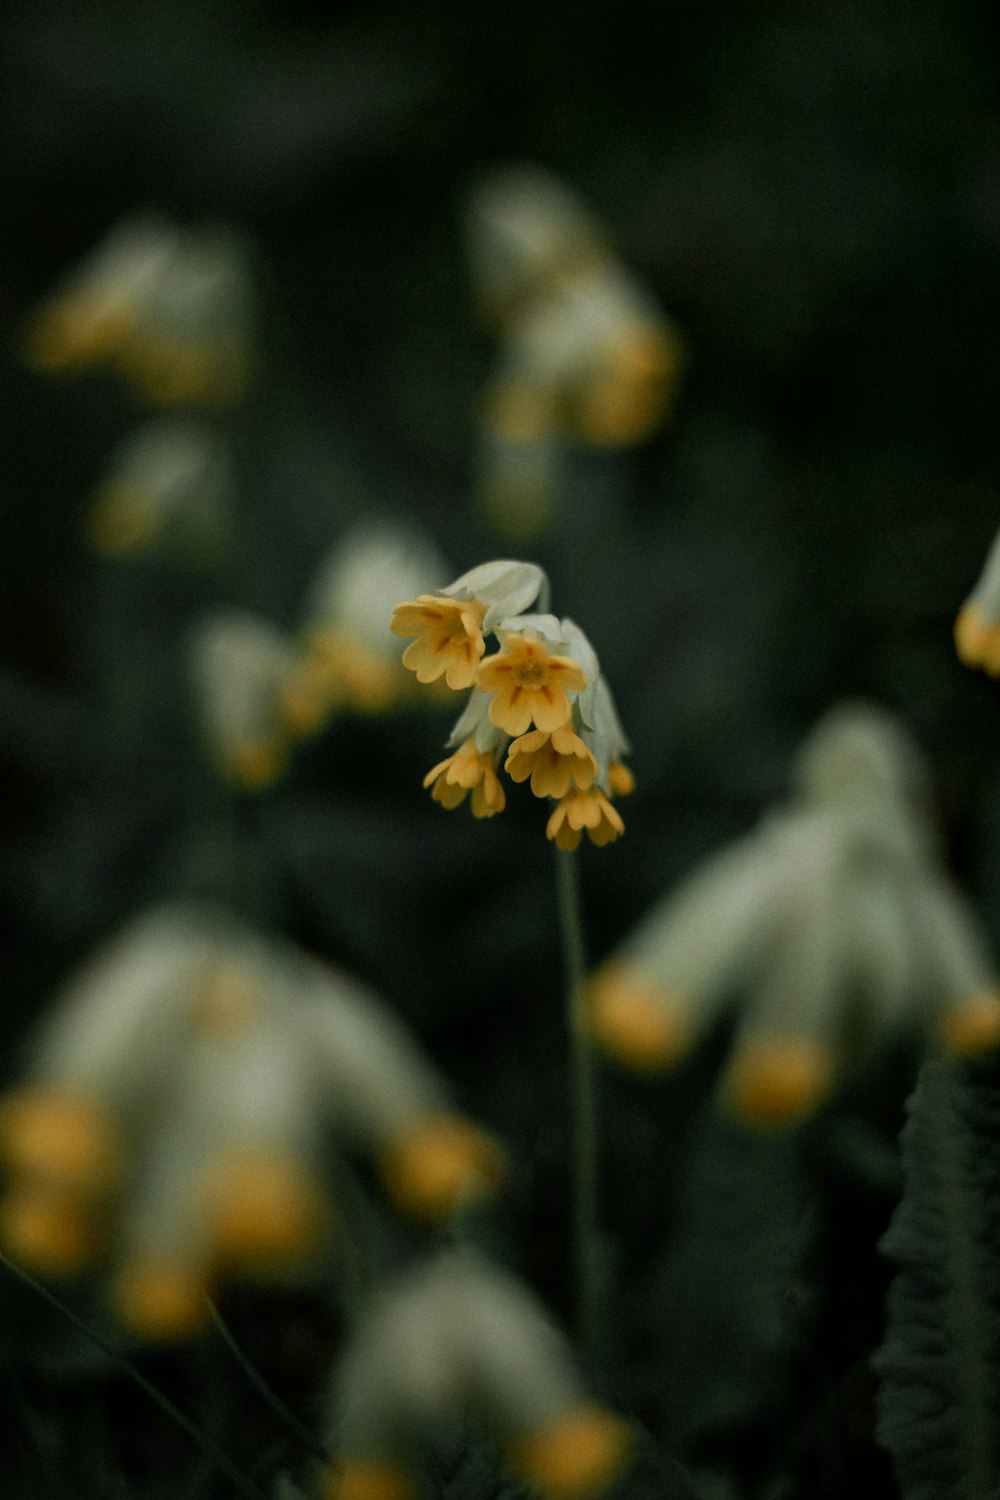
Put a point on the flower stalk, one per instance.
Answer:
(583, 1112)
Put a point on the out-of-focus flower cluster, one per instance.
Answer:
(456, 1338)
(170, 485)
(977, 628)
(173, 1124)
(832, 921)
(539, 703)
(585, 355)
(258, 689)
(170, 309)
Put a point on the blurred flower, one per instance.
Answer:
(527, 232)
(585, 355)
(545, 674)
(347, 657)
(456, 1338)
(170, 484)
(176, 1112)
(170, 309)
(239, 666)
(977, 629)
(834, 899)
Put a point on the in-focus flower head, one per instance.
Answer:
(553, 760)
(977, 628)
(170, 308)
(450, 626)
(530, 684)
(179, 1094)
(579, 810)
(539, 705)
(347, 657)
(835, 898)
(239, 666)
(449, 638)
(169, 485)
(468, 770)
(455, 1337)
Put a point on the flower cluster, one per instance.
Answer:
(239, 665)
(833, 900)
(977, 628)
(169, 309)
(175, 1109)
(346, 658)
(257, 689)
(170, 484)
(539, 704)
(454, 1337)
(585, 356)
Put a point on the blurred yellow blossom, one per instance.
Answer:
(585, 356)
(169, 308)
(180, 1093)
(455, 1336)
(835, 898)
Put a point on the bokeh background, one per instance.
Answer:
(812, 192)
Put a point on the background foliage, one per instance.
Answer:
(813, 193)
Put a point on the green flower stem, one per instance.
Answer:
(583, 1114)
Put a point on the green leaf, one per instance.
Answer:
(939, 1402)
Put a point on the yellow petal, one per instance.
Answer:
(634, 1021)
(361, 1480)
(439, 1162)
(973, 1026)
(778, 1080)
(575, 1456)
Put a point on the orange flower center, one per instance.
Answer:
(530, 673)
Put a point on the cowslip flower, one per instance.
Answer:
(527, 232)
(170, 309)
(585, 356)
(239, 666)
(347, 657)
(177, 1109)
(170, 485)
(454, 1337)
(450, 625)
(834, 898)
(539, 704)
(977, 628)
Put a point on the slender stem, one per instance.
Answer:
(583, 1113)
(193, 1429)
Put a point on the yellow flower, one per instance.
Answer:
(576, 1455)
(449, 638)
(579, 810)
(529, 685)
(553, 761)
(635, 1020)
(162, 1300)
(971, 1025)
(620, 779)
(977, 640)
(774, 1081)
(438, 1163)
(361, 1479)
(468, 770)
(629, 392)
(264, 1212)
